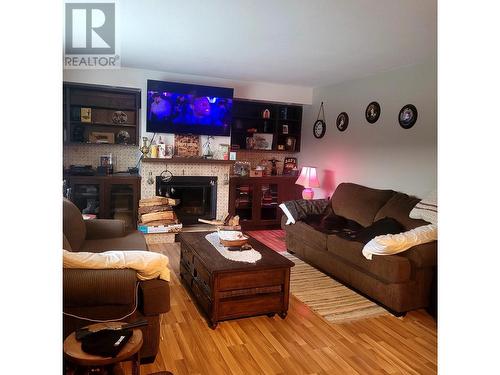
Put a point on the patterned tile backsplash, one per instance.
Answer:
(127, 156)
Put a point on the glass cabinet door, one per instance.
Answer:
(87, 198)
(243, 202)
(121, 204)
(269, 202)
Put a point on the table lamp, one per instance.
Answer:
(309, 179)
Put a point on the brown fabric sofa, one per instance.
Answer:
(109, 294)
(399, 282)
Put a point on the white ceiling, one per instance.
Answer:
(308, 43)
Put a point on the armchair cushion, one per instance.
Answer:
(104, 228)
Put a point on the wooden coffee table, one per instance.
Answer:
(226, 289)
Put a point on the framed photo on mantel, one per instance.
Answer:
(290, 167)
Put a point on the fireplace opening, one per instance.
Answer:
(197, 195)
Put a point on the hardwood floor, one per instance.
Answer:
(303, 343)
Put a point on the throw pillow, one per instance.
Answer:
(387, 225)
(396, 243)
(426, 209)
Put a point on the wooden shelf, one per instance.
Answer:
(269, 151)
(103, 124)
(180, 160)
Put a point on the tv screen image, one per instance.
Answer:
(188, 109)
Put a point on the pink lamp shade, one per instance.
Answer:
(309, 179)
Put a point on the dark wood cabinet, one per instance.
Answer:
(107, 197)
(281, 123)
(255, 199)
(100, 114)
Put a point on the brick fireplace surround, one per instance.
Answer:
(127, 156)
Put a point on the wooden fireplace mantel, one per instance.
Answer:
(184, 160)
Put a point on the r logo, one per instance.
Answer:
(90, 28)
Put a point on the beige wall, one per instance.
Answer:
(380, 155)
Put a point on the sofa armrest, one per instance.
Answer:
(85, 288)
(154, 297)
(424, 255)
(104, 228)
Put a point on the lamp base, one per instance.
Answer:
(308, 193)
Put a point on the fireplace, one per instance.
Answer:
(197, 194)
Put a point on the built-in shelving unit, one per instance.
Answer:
(98, 114)
(279, 123)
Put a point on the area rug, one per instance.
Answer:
(274, 239)
(328, 298)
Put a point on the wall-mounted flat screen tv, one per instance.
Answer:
(188, 109)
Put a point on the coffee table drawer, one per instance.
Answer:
(201, 274)
(241, 280)
(187, 256)
(247, 306)
(201, 297)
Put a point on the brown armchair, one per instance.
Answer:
(109, 294)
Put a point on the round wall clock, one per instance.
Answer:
(408, 116)
(319, 128)
(372, 112)
(342, 121)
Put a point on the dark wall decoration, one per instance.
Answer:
(372, 112)
(342, 121)
(408, 116)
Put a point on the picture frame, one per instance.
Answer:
(290, 144)
(263, 141)
(342, 121)
(372, 112)
(106, 162)
(86, 115)
(408, 116)
(290, 166)
(187, 146)
(102, 137)
(241, 168)
(284, 129)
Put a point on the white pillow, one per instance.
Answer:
(389, 244)
(426, 209)
(290, 219)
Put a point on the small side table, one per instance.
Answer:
(130, 352)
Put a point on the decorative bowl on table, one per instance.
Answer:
(232, 238)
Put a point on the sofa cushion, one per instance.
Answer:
(399, 207)
(73, 225)
(306, 233)
(359, 203)
(389, 269)
(384, 226)
(131, 241)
